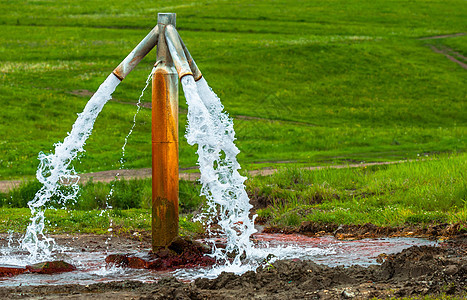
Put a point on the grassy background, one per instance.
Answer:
(312, 82)
(307, 82)
(429, 191)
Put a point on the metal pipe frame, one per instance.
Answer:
(179, 52)
(173, 62)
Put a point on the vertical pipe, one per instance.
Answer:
(164, 143)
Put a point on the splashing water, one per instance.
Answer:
(55, 168)
(223, 186)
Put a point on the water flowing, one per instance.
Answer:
(228, 204)
(55, 168)
(138, 105)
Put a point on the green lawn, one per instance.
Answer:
(429, 191)
(313, 82)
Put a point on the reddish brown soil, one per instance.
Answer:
(183, 252)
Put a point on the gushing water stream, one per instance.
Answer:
(208, 127)
(55, 168)
(228, 203)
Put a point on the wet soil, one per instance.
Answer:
(415, 271)
(183, 252)
(432, 231)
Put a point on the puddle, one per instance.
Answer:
(338, 252)
(326, 250)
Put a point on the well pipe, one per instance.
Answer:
(135, 56)
(173, 61)
(164, 142)
(194, 68)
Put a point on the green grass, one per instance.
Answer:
(430, 191)
(58, 221)
(126, 194)
(308, 82)
(130, 202)
(331, 81)
(91, 221)
(423, 192)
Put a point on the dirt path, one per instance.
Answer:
(448, 52)
(443, 36)
(451, 55)
(107, 176)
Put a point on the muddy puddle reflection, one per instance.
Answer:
(327, 250)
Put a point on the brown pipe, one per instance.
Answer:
(164, 143)
(165, 156)
(135, 56)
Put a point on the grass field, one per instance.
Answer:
(432, 191)
(421, 193)
(312, 82)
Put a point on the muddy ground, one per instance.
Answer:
(415, 271)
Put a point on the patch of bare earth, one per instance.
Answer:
(351, 232)
(443, 36)
(416, 271)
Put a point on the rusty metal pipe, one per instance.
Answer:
(164, 143)
(176, 51)
(135, 56)
(171, 65)
(165, 156)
